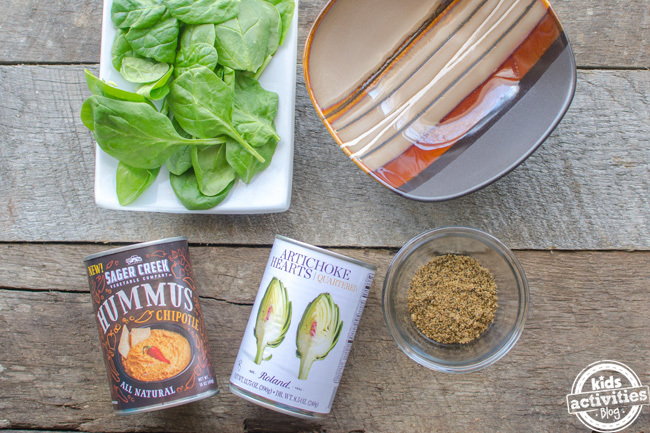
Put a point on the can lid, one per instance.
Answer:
(134, 246)
(328, 252)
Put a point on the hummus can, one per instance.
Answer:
(150, 326)
(301, 328)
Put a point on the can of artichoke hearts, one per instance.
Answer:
(301, 329)
(150, 326)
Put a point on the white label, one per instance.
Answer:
(301, 366)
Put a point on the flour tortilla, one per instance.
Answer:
(139, 334)
(124, 346)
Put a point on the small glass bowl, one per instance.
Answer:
(512, 298)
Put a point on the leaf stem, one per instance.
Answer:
(247, 146)
(261, 69)
(204, 141)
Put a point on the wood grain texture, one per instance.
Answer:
(603, 33)
(586, 187)
(585, 306)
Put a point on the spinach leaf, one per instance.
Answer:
(101, 88)
(187, 191)
(203, 11)
(152, 92)
(178, 127)
(243, 162)
(254, 111)
(202, 104)
(158, 89)
(274, 37)
(197, 34)
(243, 41)
(196, 48)
(180, 161)
(136, 13)
(275, 24)
(132, 182)
(196, 55)
(164, 108)
(137, 70)
(158, 42)
(229, 77)
(134, 132)
(120, 49)
(262, 68)
(286, 9)
(212, 171)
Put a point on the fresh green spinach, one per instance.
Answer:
(197, 34)
(202, 103)
(194, 56)
(132, 182)
(243, 162)
(196, 48)
(180, 161)
(254, 112)
(275, 31)
(275, 27)
(153, 91)
(228, 77)
(133, 132)
(101, 88)
(158, 89)
(138, 70)
(136, 13)
(202, 58)
(203, 11)
(242, 42)
(158, 42)
(120, 49)
(187, 191)
(286, 9)
(211, 168)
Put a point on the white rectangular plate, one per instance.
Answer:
(268, 192)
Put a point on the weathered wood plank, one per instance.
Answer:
(60, 267)
(586, 187)
(581, 302)
(604, 34)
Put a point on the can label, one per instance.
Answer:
(150, 325)
(302, 325)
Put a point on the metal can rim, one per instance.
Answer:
(134, 246)
(328, 252)
(168, 404)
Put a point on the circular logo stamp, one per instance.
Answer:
(607, 396)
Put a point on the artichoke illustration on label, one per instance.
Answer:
(273, 319)
(318, 332)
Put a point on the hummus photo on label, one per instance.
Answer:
(154, 355)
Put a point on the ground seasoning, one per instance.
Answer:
(452, 299)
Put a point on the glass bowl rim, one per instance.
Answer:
(495, 245)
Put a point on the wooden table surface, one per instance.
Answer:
(576, 213)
